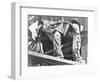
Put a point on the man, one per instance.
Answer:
(57, 29)
(35, 30)
(76, 39)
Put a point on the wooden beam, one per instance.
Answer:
(50, 59)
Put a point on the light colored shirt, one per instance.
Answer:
(76, 28)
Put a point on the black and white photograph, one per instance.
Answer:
(57, 40)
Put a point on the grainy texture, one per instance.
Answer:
(45, 36)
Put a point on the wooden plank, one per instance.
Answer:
(51, 59)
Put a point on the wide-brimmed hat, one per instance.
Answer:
(75, 20)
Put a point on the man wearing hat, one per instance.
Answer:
(76, 39)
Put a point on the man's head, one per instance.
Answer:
(75, 21)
